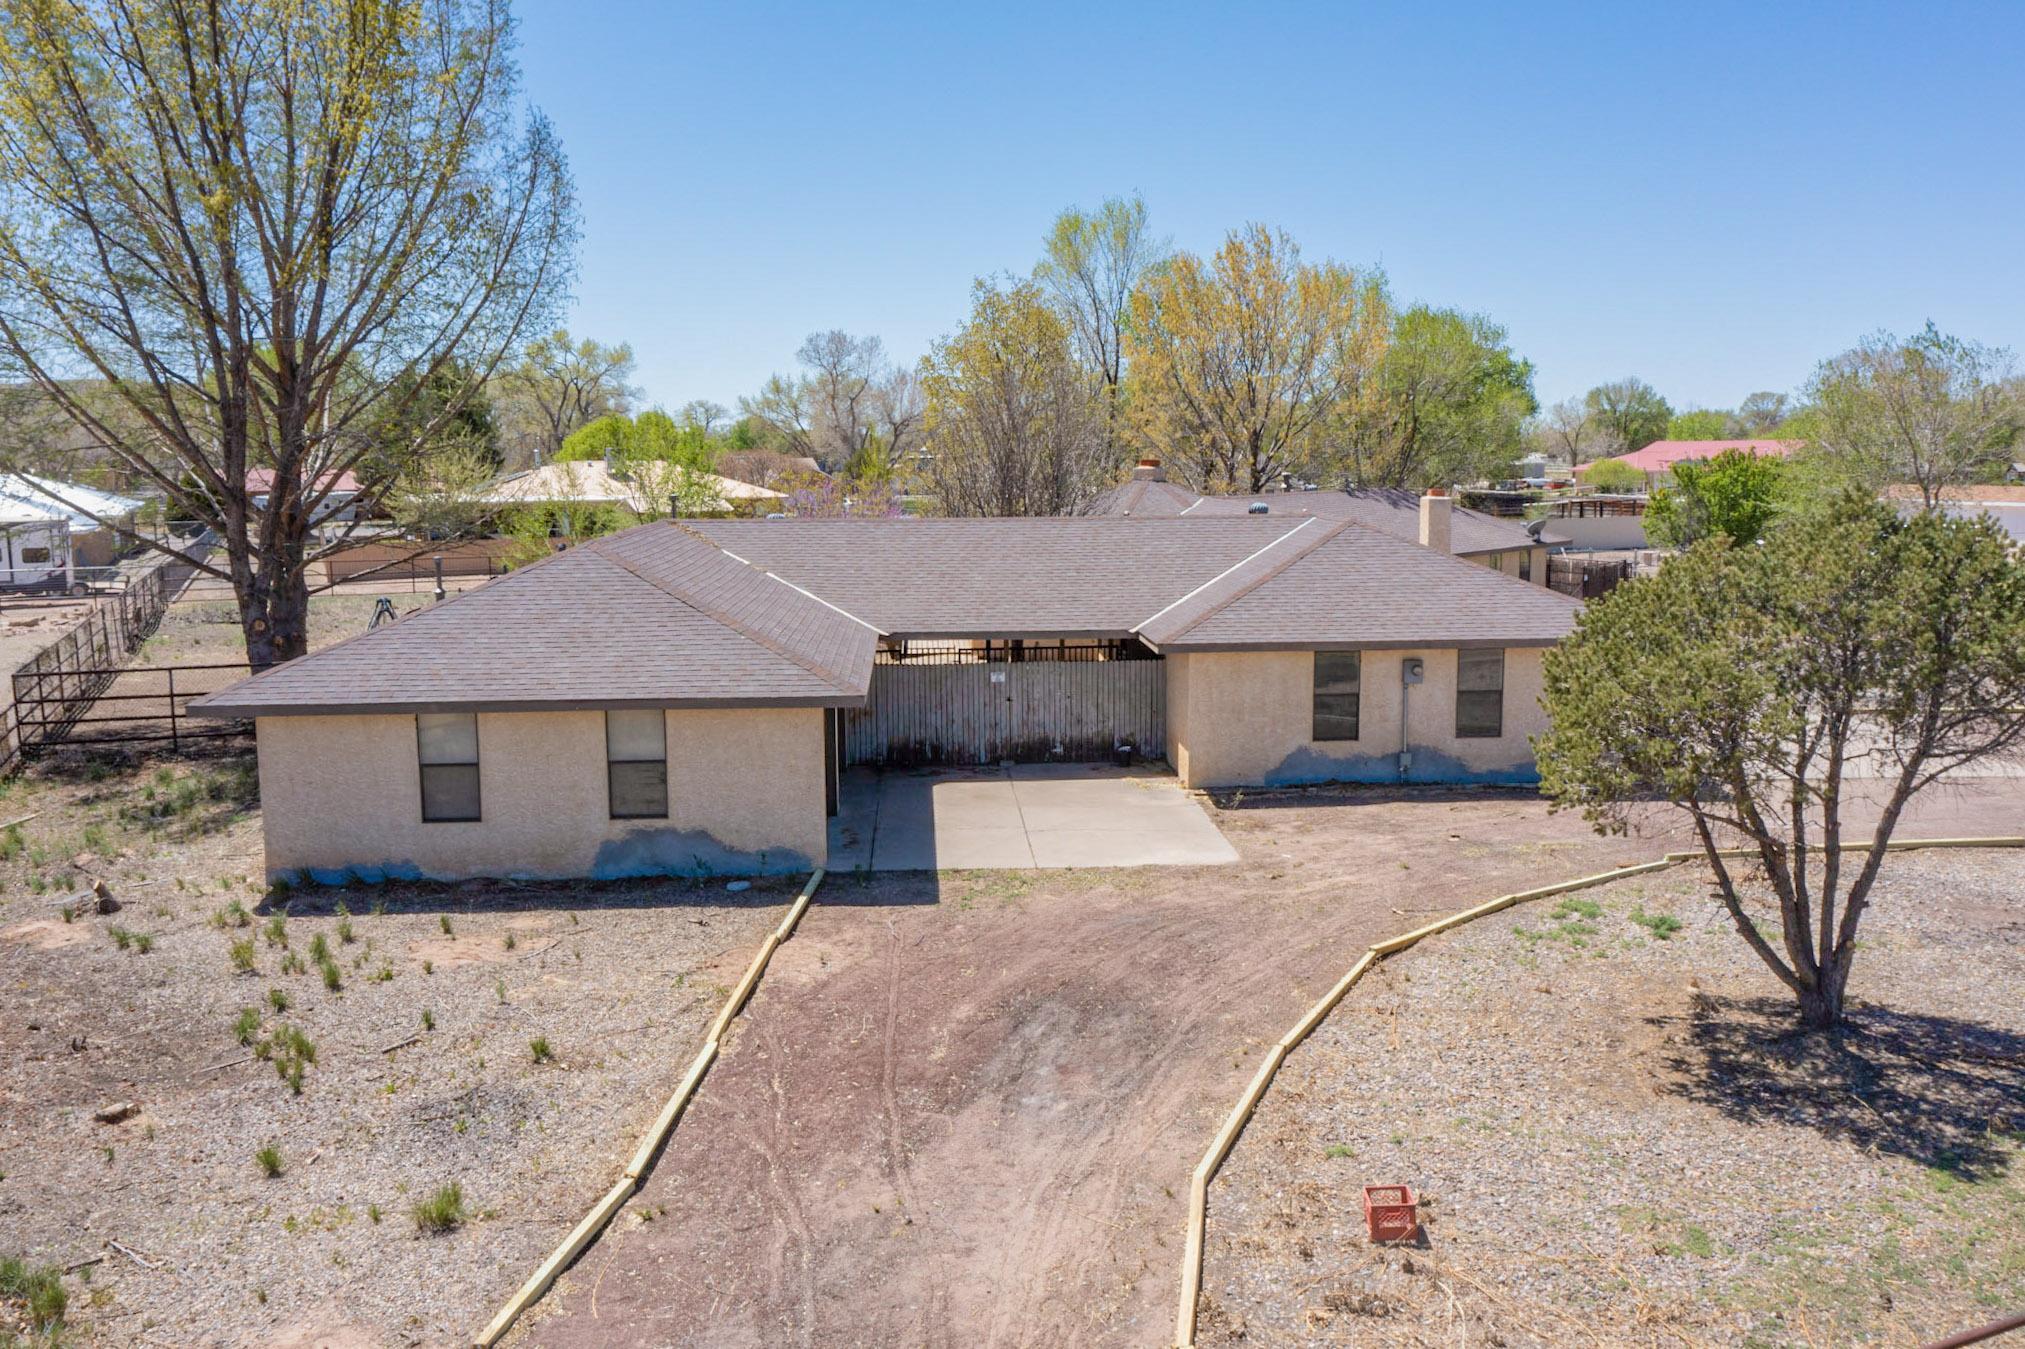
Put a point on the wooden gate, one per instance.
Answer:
(1029, 712)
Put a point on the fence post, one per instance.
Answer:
(175, 745)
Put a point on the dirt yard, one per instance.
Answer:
(963, 1108)
(148, 1007)
(205, 631)
(1618, 1138)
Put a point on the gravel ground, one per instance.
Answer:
(1618, 1139)
(620, 980)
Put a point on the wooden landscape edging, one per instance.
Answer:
(1240, 1115)
(607, 1208)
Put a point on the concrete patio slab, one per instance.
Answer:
(1028, 815)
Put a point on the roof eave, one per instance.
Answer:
(229, 711)
(1183, 647)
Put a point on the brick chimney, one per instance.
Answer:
(1149, 470)
(1436, 512)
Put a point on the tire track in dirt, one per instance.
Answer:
(1147, 1103)
(1031, 1071)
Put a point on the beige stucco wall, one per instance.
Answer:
(341, 798)
(1245, 718)
(1510, 560)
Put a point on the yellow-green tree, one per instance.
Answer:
(1237, 362)
(260, 231)
(1016, 425)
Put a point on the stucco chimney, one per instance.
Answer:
(1149, 470)
(1435, 518)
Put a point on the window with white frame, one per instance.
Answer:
(1480, 694)
(636, 763)
(446, 744)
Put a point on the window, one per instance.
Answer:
(447, 745)
(1479, 695)
(1336, 687)
(636, 763)
(1526, 565)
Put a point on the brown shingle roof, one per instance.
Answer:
(1055, 576)
(653, 616)
(787, 612)
(1393, 510)
(1345, 585)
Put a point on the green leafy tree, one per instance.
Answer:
(1629, 413)
(1446, 402)
(1761, 413)
(1747, 686)
(261, 232)
(1734, 495)
(1930, 410)
(1702, 424)
(1613, 475)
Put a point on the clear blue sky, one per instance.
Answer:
(1712, 199)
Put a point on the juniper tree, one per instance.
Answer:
(1748, 687)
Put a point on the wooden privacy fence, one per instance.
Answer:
(1585, 578)
(1030, 712)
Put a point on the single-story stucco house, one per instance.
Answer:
(682, 696)
(1509, 546)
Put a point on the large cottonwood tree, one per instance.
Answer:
(256, 231)
(1238, 361)
(1017, 422)
(1091, 263)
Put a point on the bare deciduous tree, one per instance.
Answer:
(850, 411)
(1015, 423)
(1091, 263)
(257, 228)
(562, 384)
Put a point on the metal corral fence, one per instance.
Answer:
(1027, 711)
(134, 704)
(67, 676)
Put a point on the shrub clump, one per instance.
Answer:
(442, 1211)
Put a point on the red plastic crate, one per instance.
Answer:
(1391, 1212)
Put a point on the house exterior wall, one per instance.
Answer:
(1510, 560)
(1246, 719)
(341, 798)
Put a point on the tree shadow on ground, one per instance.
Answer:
(1941, 1091)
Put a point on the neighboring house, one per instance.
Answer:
(340, 504)
(682, 697)
(1656, 460)
(586, 482)
(1503, 545)
(769, 468)
(2004, 505)
(92, 521)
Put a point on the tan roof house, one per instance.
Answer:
(599, 482)
(682, 697)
